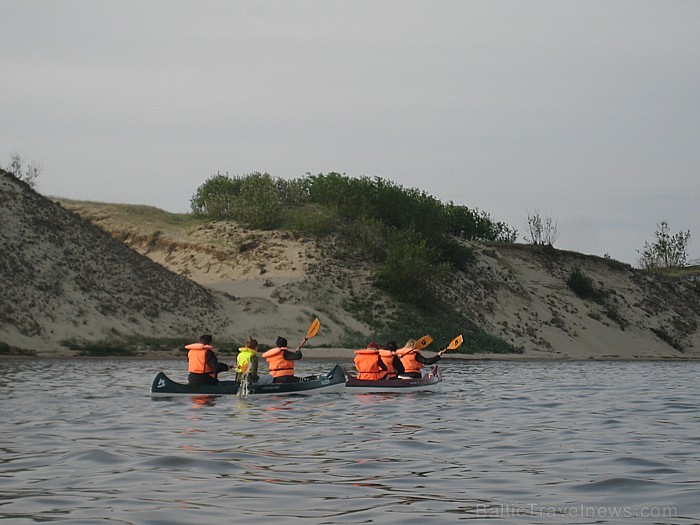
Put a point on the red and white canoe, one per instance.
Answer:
(431, 382)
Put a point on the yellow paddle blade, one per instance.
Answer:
(313, 329)
(423, 342)
(456, 343)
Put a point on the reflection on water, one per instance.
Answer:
(513, 442)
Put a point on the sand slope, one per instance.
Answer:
(517, 292)
(79, 271)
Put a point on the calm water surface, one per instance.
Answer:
(577, 442)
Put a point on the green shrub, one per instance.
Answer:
(456, 254)
(366, 238)
(581, 284)
(408, 231)
(259, 204)
(217, 197)
(595, 315)
(476, 225)
(671, 339)
(669, 251)
(312, 220)
(614, 314)
(259, 200)
(408, 267)
(365, 309)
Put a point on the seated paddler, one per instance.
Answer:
(413, 361)
(247, 361)
(280, 361)
(369, 363)
(393, 364)
(203, 365)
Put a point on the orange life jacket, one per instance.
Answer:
(388, 357)
(279, 366)
(408, 359)
(367, 364)
(196, 356)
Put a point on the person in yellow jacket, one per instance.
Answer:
(280, 361)
(203, 365)
(413, 361)
(247, 361)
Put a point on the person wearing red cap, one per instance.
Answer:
(369, 363)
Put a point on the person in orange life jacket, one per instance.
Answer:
(369, 363)
(203, 365)
(413, 361)
(393, 363)
(280, 361)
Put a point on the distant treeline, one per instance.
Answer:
(414, 235)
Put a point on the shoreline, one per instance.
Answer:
(346, 354)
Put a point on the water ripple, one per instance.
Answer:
(534, 442)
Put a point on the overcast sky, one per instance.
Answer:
(587, 111)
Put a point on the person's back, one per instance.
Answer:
(202, 364)
(368, 363)
(413, 361)
(407, 355)
(391, 361)
(280, 361)
(247, 361)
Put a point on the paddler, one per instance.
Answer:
(203, 365)
(393, 364)
(280, 361)
(369, 363)
(413, 361)
(247, 361)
